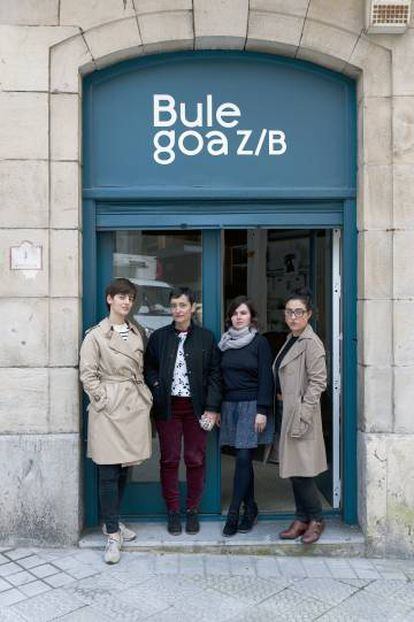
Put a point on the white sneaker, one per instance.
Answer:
(113, 548)
(127, 534)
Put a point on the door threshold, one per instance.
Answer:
(338, 540)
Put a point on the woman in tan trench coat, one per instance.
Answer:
(300, 379)
(119, 429)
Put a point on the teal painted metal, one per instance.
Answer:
(349, 380)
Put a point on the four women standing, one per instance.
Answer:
(111, 370)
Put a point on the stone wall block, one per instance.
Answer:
(64, 263)
(274, 33)
(400, 506)
(94, 12)
(23, 194)
(67, 60)
(403, 66)
(113, 42)
(64, 127)
(167, 31)
(375, 267)
(65, 196)
(377, 71)
(64, 400)
(25, 56)
(403, 184)
(24, 400)
(220, 24)
(375, 190)
(374, 341)
(64, 331)
(375, 119)
(404, 400)
(404, 264)
(403, 130)
(329, 41)
(40, 489)
(156, 6)
(25, 332)
(25, 283)
(372, 488)
(29, 12)
(349, 15)
(375, 399)
(293, 7)
(404, 332)
(25, 135)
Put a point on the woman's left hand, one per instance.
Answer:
(260, 423)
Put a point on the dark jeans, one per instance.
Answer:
(243, 482)
(112, 480)
(307, 499)
(183, 424)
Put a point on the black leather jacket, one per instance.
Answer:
(203, 366)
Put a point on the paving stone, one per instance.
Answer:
(31, 562)
(58, 580)
(48, 606)
(34, 588)
(208, 605)
(9, 568)
(385, 588)
(191, 564)
(46, 570)
(3, 559)
(316, 568)
(10, 597)
(6, 615)
(91, 589)
(16, 554)
(365, 606)
(166, 564)
(86, 614)
(290, 567)
(4, 585)
(217, 564)
(267, 567)
(328, 590)
(405, 594)
(243, 564)
(20, 578)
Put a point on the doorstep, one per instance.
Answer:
(337, 540)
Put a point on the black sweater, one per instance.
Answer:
(247, 374)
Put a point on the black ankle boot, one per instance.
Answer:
(249, 518)
(230, 528)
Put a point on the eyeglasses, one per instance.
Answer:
(295, 312)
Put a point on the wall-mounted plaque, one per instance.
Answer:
(26, 256)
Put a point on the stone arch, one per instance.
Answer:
(343, 48)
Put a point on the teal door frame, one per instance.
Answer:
(100, 216)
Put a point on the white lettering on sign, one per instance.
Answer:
(205, 115)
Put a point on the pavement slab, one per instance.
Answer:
(75, 585)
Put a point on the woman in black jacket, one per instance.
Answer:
(246, 419)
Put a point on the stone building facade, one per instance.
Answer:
(46, 47)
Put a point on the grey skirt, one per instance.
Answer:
(237, 426)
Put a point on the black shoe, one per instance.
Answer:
(192, 524)
(249, 518)
(230, 528)
(174, 523)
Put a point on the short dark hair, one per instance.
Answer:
(236, 302)
(303, 294)
(176, 292)
(120, 286)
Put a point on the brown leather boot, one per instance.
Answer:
(296, 529)
(313, 532)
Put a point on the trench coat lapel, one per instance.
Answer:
(118, 344)
(298, 347)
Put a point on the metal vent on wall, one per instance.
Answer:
(388, 16)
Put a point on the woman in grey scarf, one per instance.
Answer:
(246, 420)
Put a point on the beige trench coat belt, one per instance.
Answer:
(121, 379)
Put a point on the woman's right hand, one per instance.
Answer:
(218, 419)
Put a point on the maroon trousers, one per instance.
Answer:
(183, 424)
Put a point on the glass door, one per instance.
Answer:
(156, 261)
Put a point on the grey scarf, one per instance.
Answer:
(234, 339)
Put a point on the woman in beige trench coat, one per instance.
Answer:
(300, 378)
(119, 429)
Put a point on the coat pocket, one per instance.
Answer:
(302, 421)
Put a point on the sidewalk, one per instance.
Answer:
(39, 585)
